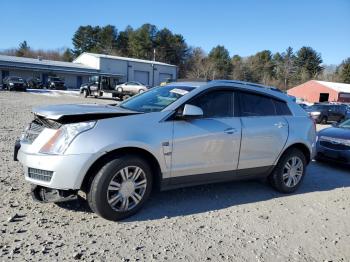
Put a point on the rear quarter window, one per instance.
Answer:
(282, 108)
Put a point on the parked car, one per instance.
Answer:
(333, 143)
(130, 88)
(179, 135)
(14, 83)
(303, 105)
(323, 113)
(347, 112)
(54, 82)
(34, 82)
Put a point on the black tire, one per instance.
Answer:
(276, 177)
(85, 93)
(98, 194)
(324, 120)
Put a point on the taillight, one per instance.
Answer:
(313, 120)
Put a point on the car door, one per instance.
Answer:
(264, 132)
(207, 145)
(133, 87)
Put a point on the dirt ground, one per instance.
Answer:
(238, 221)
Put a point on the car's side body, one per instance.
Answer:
(333, 143)
(14, 83)
(130, 88)
(34, 82)
(322, 113)
(185, 152)
(56, 83)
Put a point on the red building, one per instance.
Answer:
(321, 91)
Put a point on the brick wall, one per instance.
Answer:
(310, 91)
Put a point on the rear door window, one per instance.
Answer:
(256, 105)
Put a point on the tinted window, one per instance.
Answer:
(281, 108)
(215, 104)
(256, 105)
(156, 99)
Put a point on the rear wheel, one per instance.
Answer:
(85, 93)
(120, 188)
(289, 172)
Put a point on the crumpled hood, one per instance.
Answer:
(335, 132)
(76, 112)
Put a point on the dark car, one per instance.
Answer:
(333, 143)
(34, 82)
(14, 83)
(54, 82)
(303, 105)
(347, 112)
(322, 113)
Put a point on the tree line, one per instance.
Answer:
(282, 69)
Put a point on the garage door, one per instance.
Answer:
(164, 77)
(142, 77)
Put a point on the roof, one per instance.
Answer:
(339, 87)
(124, 59)
(187, 83)
(41, 62)
(273, 91)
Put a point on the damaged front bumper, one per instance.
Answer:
(50, 195)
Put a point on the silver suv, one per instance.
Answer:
(182, 134)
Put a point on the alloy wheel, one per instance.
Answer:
(293, 171)
(127, 188)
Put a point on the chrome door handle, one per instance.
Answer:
(279, 124)
(230, 130)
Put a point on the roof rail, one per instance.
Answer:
(247, 83)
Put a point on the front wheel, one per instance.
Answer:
(120, 188)
(85, 93)
(289, 171)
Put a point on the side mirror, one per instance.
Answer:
(191, 111)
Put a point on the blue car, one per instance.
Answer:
(333, 143)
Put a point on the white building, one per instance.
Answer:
(122, 69)
(147, 72)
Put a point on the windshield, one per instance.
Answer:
(55, 79)
(345, 124)
(15, 78)
(156, 99)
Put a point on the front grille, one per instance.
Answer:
(334, 146)
(34, 130)
(38, 174)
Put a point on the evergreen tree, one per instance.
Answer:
(107, 39)
(67, 55)
(86, 39)
(23, 49)
(220, 58)
(344, 71)
(308, 64)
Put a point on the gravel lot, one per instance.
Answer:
(238, 221)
